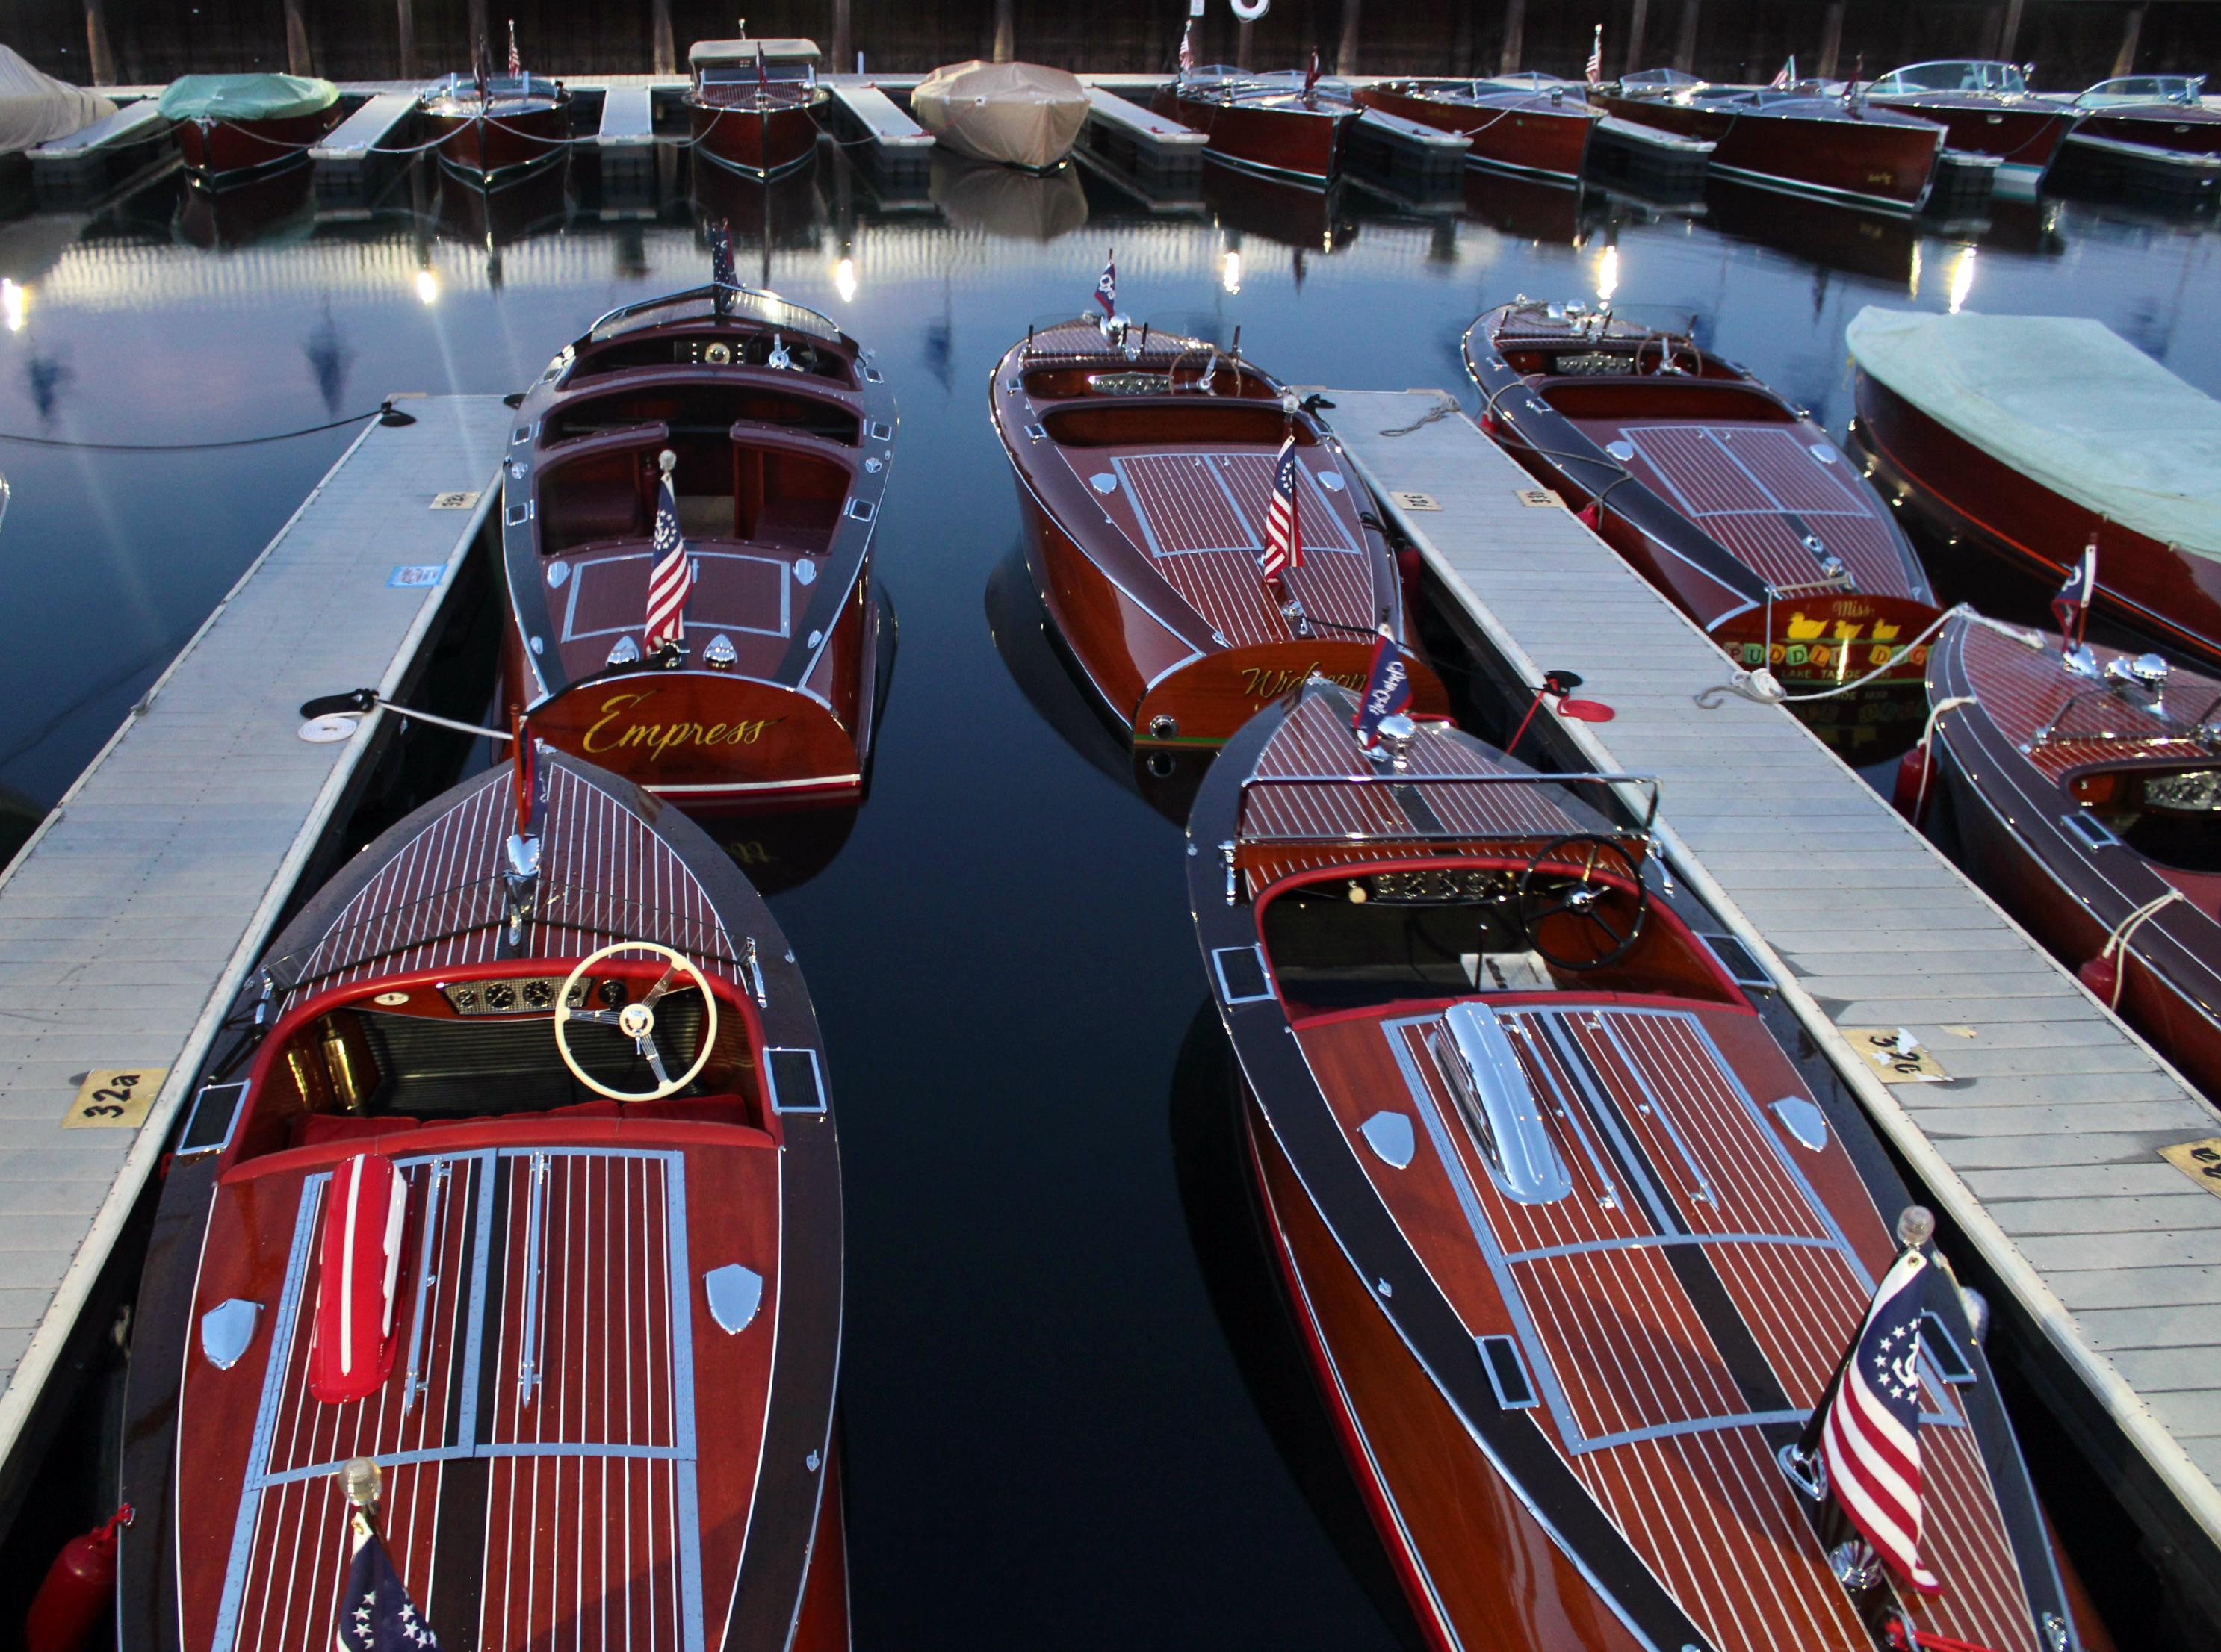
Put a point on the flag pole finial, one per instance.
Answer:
(666, 461)
(359, 1476)
(1916, 1226)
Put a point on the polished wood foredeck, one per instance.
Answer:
(2045, 1146)
(129, 918)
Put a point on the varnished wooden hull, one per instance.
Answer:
(1289, 142)
(224, 148)
(2024, 140)
(1967, 493)
(1886, 164)
(489, 146)
(1527, 135)
(763, 144)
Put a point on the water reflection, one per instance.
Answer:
(280, 205)
(1002, 202)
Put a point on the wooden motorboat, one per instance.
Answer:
(2153, 129)
(1799, 138)
(1521, 129)
(781, 431)
(513, 1173)
(1986, 109)
(491, 129)
(230, 127)
(2027, 436)
(1290, 125)
(1146, 461)
(754, 104)
(1730, 500)
(1574, 1248)
(2085, 787)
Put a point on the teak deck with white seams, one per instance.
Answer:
(2045, 1146)
(128, 921)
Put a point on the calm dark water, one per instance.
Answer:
(1072, 1414)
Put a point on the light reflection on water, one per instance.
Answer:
(1044, 1428)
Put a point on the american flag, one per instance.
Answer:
(1870, 1424)
(2071, 608)
(1594, 73)
(1787, 78)
(1387, 690)
(1106, 285)
(376, 1614)
(721, 255)
(1187, 47)
(516, 62)
(1284, 527)
(672, 579)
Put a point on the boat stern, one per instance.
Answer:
(1205, 700)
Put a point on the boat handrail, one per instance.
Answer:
(766, 306)
(1647, 785)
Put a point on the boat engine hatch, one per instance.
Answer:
(1484, 1073)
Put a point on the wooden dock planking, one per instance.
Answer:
(2043, 1146)
(132, 914)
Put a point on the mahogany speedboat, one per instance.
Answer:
(1147, 460)
(1574, 1248)
(2155, 128)
(2029, 436)
(1291, 124)
(1521, 129)
(1730, 500)
(754, 104)
(514, 1173)
(1987, 109)
(1797, 137)
(2085, 788)
(776, 432)
(490, 126)
(231, 126)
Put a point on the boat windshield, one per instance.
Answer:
(745, 303)
(1957, 74)
(499, 87)
(2143, 89)
(1659, 80)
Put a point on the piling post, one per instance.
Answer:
(101, 55)
(2010, 31)
(2125, 63)
(1634, 59)
(1006, 29)
(844, 55)
(1515, 36)
(1831, 39)
(405, 17)
(1345, 55)
(297, 58)
(1685, 49)
(481, 30)
(662, 47)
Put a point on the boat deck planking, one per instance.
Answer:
(1928, 952)
(133, 912)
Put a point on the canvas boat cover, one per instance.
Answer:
(36, 109)
(2068, 403)
(1019, 113)
(245, 98)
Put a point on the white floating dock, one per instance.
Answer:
(1408, 151)
(900, 149)
(628, 121)
(2044, 1146)
(1645, 154)
(134, 913)
(94, 153)
(371, 129)
(1140, 139)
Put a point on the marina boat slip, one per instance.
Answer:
(2086, 791)
(229, 126)
(1289, 124)
(1542, 128)
(2034, 437)
(1987, 109)
(1577, 1257)
(489, 126)
(754, 105)
(1151, 466)
(2153, 129)
(1799, 138)
(508, 1210)
(1724, 496)
(688, 509)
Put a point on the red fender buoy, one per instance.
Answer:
(1908, 795)
(78, 1589)
(2102, 976)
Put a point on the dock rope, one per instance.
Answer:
(1949, 702)
(381, 411)
(2118, 940)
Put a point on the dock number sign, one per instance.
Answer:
(113, 1098)
(1895, 1056)
(2200, 1161)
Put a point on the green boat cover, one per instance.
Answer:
(245, 98)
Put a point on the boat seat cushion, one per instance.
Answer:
(317, 1129)
(692, 1109)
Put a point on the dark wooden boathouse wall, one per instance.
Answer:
(2072, 42)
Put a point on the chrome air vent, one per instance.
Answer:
(1483, 1072)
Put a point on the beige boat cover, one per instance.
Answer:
(1020, 114)
(2068, 403)
(36, 109)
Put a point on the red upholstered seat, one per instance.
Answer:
(600, 1108)
(318, 1129)
(692, 1109)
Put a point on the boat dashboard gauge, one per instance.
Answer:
(1432, 885)
(524, 996)
(1130, 384)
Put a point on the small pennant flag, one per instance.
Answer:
(1284, 529)
(481, 68)
(1311, 74)
(1594, 73)
(1387, 690)
(516, 62)
(2071, 608)
(1870, 1424)
(1787, 78)
(376, 1614)
(671, 581)
(1106, 285)
(721, 255)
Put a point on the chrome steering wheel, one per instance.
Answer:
(1582, 901)
(636, 1020)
